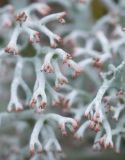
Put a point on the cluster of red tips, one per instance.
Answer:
(34, 101)
(68, 57)
(87, 115)
(36, 38)
(47, 68)
(61, 81)
(120, 93)
(96, 117)
(21, 17)
(54, 43)
(63, 128)
(18, 108)
(61, 18)
(96, 126)
(32, 149)
(11, 50)
(105, 143)
(43, 105)
(95, 121)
